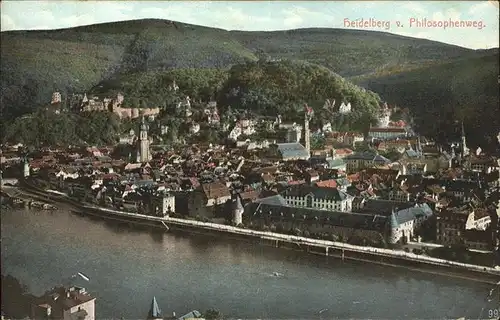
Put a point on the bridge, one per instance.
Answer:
(11, 192)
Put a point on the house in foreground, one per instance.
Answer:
(73, 303)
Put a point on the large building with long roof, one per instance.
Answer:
(377, 222)
(288, 151)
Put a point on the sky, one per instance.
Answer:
(399, 17)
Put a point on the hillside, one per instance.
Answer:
(36, 63)
(442, 95)
(283, 87)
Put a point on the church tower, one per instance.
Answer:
(237, 210)
(464, 150)
(154, 311)
(26, 167)
(385, 116)
(143, 152)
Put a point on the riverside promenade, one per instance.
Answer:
(322, 247)
(314, 246)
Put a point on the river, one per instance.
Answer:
(127, 267)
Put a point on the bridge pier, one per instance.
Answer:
(342, 254)
(277, 243)
(165, 225)
(326, 251)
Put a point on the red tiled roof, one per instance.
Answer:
(296, 182)
(327, 184)
(343, 151)
(390, 129)
(353, 177)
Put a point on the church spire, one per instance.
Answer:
(464, 149)
(154, 311)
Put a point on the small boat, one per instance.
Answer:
(277, 274)
(49, 207)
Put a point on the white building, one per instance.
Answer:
(235, 133)
(327, 127)
(56, 98)
(345, 108)
(195, 128)
(384, 116)
(331, 199)
(294, 134)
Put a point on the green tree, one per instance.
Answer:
(213, 314)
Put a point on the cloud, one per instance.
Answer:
(297, 16)
(413, 7)
(7, 23)
(266, 16)
(480, 7)
(448, 14)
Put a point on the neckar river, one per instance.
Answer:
(127, 267)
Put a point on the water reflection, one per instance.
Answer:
(157, 235)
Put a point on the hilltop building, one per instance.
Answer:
(345, 108)
(384, 116)
(56, 98)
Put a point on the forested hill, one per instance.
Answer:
(36, 63)
(441, 96)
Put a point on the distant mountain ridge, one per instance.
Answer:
(36, 63)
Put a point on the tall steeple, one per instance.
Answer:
(154, 311)
(463, 146)
(143, 152)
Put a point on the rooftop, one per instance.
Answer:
(292, 150)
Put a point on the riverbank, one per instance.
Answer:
(313, 246)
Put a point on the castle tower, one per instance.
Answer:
(463, 145)
(307, 134)
(385, 116)
(154, 311)
(237, 210)
(393, 225)
(143, 152)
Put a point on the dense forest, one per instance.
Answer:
(440, 97)
(45, 128)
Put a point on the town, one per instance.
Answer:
(389, 188)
